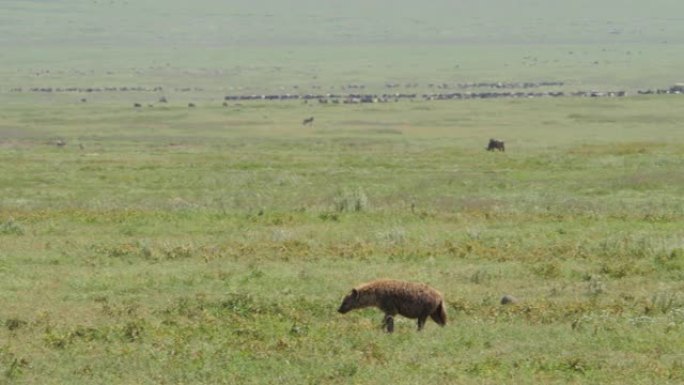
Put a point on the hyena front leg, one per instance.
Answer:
(388, 323)
(421, 322)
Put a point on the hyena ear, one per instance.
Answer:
(355, 294)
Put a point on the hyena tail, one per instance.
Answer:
(439, 315)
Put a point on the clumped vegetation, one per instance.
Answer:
(218, 249)
(352, 201)
(11, 227)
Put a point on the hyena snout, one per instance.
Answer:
(349, 302)
(345, 307)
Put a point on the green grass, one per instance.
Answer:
(214, 245)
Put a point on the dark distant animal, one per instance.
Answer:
(308, 121)
(191, 105)
(678, 88)
(137, 105)
(412, 300)
(497, 145)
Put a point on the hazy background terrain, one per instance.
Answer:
(261, 46)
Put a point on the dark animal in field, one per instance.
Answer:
(137, 105)
(412, 300)
(191, 105)
(497, 145)
(308, 121)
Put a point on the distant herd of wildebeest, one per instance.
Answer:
(354, 93)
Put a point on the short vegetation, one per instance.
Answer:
(215, 246)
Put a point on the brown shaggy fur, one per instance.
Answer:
(412, 300)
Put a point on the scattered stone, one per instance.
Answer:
(509, 300)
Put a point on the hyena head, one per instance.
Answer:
(350, 302)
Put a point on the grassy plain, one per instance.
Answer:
(169, 245)
(212, 245)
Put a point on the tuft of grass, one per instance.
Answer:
(12, 366)
(14, 323)
(11, 227)
(354, 200)
(664, 302)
